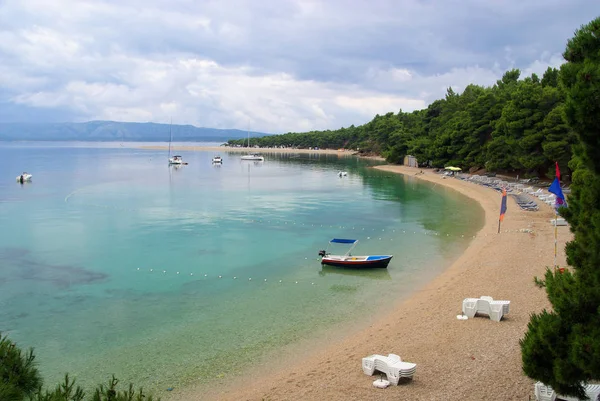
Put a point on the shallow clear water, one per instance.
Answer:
(113, 262)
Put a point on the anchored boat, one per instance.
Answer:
(25, 177)
(348, 260)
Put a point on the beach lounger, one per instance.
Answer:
(469, 307)
(485, 305)
(392, 366)
(546, 393)
(543, 392)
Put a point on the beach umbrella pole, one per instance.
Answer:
(555, 236)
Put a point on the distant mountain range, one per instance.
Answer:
(112, 131)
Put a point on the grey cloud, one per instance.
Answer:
(131, 60)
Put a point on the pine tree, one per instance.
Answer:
(562, 347)
(19, 377)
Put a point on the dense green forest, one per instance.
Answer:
(517, 125)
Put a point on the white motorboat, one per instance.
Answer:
(176, 160)
(342, 174)
(217, 159)
(25, 177)
(253, 156)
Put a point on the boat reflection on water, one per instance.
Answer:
(376, 274)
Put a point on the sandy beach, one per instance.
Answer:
(475, 359)
(227, 149)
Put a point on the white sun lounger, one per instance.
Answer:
(393, 367)
(546, 393)
(486, 306)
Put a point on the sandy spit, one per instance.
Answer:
(476, 359)
(226, 149)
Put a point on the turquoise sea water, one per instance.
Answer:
(113, 262)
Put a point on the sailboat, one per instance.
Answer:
(252, 156)
(175, 160)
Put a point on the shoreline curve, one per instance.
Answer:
(456, 359)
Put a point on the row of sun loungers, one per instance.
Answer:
(392, 366)
(525, 196)
(485, 306)
(546, 393)
(525, 202)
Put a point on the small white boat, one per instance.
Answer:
(217, 159)
(176, 160)
(342, 174)
(24, 177)
(253, 156)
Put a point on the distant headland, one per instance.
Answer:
(113, 131)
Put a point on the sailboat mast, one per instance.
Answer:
(170, 137)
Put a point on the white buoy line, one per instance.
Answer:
(222, 277)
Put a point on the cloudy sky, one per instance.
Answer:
(268, 65)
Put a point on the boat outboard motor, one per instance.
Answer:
(322, 253)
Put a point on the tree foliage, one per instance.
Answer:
(20, 381)
(562, 347)
(517, 125)
(19, 377)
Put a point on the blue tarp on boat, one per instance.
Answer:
(343, 241)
